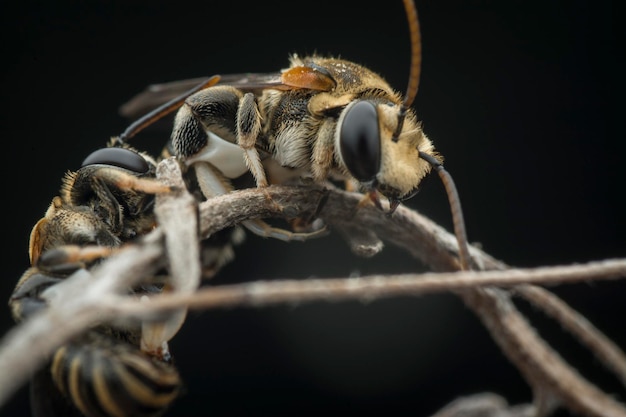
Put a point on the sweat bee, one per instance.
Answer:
(115, 369)
(323, 118)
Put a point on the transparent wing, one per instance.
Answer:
(156, 94)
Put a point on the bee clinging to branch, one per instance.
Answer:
(323, 118)
(113, 369)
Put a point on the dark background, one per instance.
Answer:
(519, 97)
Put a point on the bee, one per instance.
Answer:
(114, 369)
(321, 118)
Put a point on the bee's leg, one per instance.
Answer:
(212, 183)
(68, 258)
(322, 157)
(321, 161)
(26, 298)
(351, 186)
(263, 229)
(52, 267)
(248, 129)
(218, 249)
(125, 181)
(156, 333)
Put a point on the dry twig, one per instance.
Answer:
(486, 290)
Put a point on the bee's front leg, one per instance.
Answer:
(52, 267)
(248, 129)
(26, 298)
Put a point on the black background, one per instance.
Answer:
(520, 97)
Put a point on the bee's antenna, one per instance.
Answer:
(416, 64)
(416, 52)
(411, 92)
(161, 111)
(455, 208)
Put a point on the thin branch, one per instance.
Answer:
(367, 288)
(587, 334)
(484, 405)
(554, 381)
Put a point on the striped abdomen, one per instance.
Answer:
(105, 377)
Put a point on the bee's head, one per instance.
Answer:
(380, 148)
(381, 143)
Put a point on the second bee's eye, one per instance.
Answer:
(359, 141)
(118, 157)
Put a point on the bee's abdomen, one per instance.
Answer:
(103, 378)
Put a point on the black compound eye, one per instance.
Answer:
(359, 141)
(118, 157)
